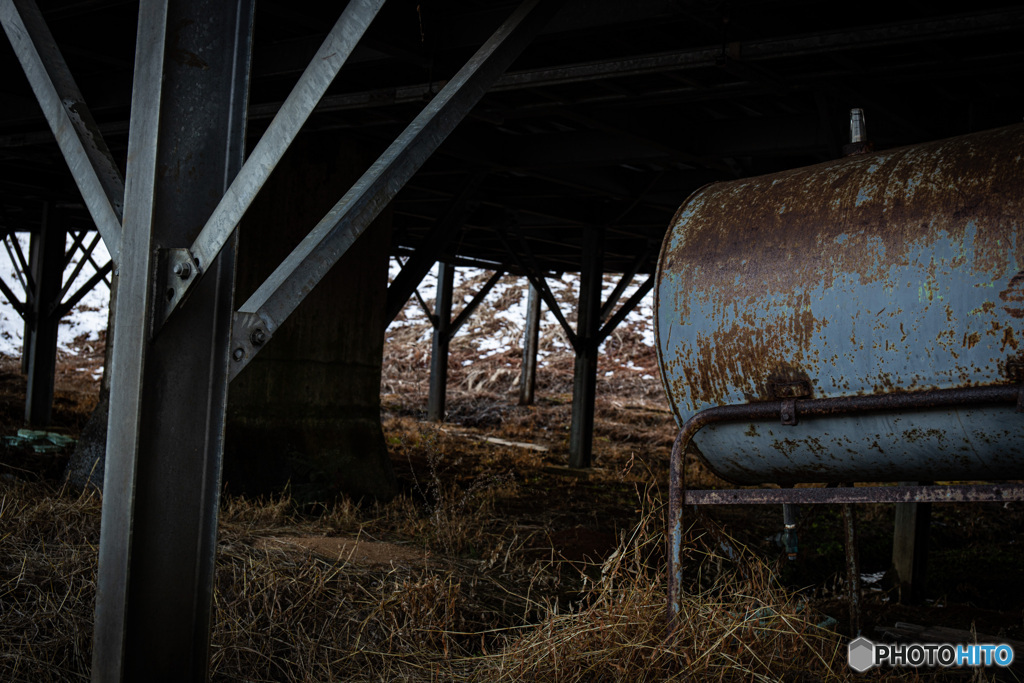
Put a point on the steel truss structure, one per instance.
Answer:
(162, 480)
(572, 161)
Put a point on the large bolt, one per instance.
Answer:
(238, 354)
(258, 337)
(182, 270)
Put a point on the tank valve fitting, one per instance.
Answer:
(858, 134)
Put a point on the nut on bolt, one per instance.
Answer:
(238, 354)
(182, 270)
(258, 337)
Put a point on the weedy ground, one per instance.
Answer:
(496, 562)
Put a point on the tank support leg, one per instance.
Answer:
(588, 323)
(531, 337)
(910, 548)
(442, 339)
(852, 567)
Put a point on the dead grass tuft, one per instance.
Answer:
(284, 613)
(48, 557)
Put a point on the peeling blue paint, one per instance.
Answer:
(859, 305)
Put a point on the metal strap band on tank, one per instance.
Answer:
(787, 412)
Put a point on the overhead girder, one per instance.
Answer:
(859, 40)
(273, 302)
(94, 170)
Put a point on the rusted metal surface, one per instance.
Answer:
(954, 493)
(851, 408)
(852, 567)
(877, 274)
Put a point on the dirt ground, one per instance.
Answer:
(546, 512)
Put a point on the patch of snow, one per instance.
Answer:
(85, 321)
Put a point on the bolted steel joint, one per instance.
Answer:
(258, 337)
(182, 270)
(788, 412)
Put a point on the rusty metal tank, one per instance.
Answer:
(900, 271)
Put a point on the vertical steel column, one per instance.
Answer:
(47, 264)
(910, 548)
(528, 376)
(167, 401)
(26, 318)
(442, 339)
(588, 323)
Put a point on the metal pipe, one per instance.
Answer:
(953, 493)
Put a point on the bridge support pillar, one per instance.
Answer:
(531, 338)
(910, 548)
(306, 411)
(588, 325)
(46, 255)
(441, 342)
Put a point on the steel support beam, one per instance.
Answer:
(21, 307)
(477, 299)
(445, 329)
(963, 26)
(274, 301)
(538, 280)
(588, 320)
(167, 399)
(910, 548)
(47, 255)
(531, 338)
(623, 283)
(86, 258)
(442, 340)
(852, 567)
(548, 297)
(624, 310)
(426, 256)
(62, 308)
(287, 122)
(78, 136)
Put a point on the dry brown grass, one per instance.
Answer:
(492, 597)
(285, 614)
(48, 554)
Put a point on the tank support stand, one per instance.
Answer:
(846, 496)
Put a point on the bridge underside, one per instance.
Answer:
(532, 138)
